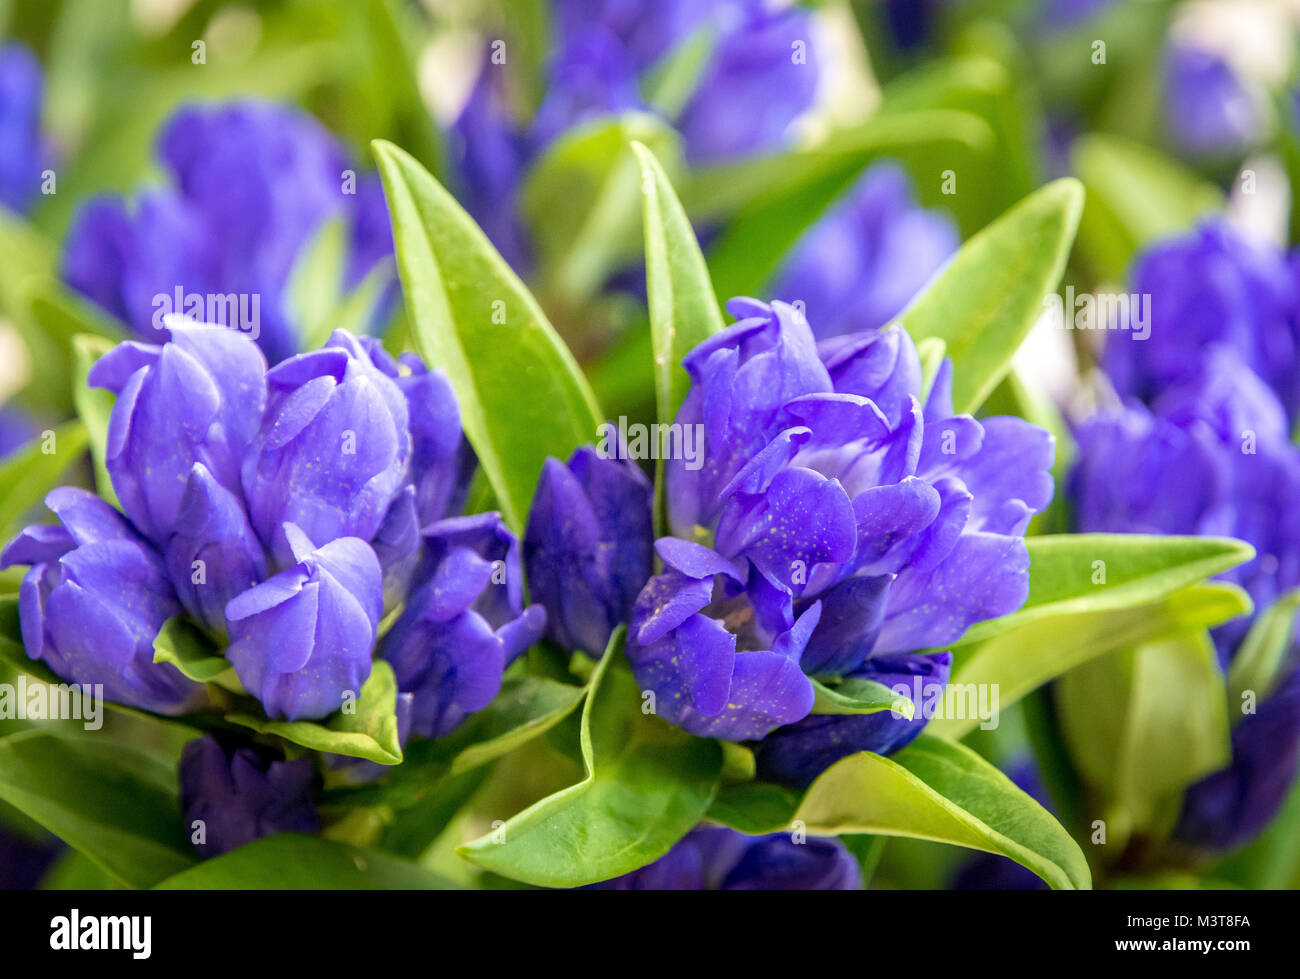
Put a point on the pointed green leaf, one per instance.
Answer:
(856, 695)
(937, 790)
(1075, 573)
(31, 472)
(1255, 664)
(289, 861)
(106, 800)
(183, 646)
(1022, 659)
(647, 784)
(369, 732)
(984, 302)
(522, 397)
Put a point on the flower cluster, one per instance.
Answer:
(605, 51)
(253, 182)
(838, 528)
(286, 511)
(1201, 445)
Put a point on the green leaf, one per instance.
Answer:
(370, 732)
(31, 472)
(289, 861)
(316, 283)
(938, 790)
(647, 784)
(856, 695)
(1022, 659)
(522, 397)
(186, 648)
(1071, 573)
(755, 807)
(984, 302)
(1255, 664)
(106, 800)
(1142, 725)
(683, 309)
(51, 317)
(778, 198)
(94, 406)
(582, 200)
(1136, 195)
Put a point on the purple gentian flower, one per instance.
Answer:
(1209, 111)
(859, 265)
(463, 624)
(21, 146)
(301, 640)
(197, 399)
(241, 795)
(587, 546)
(715, 858)
(93, 600)
(851, 527)
(253, 183)
(1212, 290)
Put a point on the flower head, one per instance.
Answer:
(241, 795)
(587, 547)
(21, 146)
(93, 600)
(463, 624)
(253, 182)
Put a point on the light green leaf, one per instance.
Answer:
(184, 647)
(1255, 664)
(1143, 724)
(1022, 659)
(683, 309)
(938, 790)
(29, 473)
(582, 200)
(106, 800)
(370, 732)
(1136, 195)
(94, 406)
(522, 397)
(316, 283)
(647, 784)
(856, 695)
(984, 302)
(289, 861)
(669, 84)
(1071, 573)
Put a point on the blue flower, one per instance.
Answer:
(197, 399)
(301, 640)
(21, 147)
(463, 624)
(252, 184)
(587, 546)
(1212, 291)
(858, 266)
(850, 528)
(93, 600)
(715, 858)
(1209, 111)
(240, 795)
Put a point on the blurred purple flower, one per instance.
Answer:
(253, 183)
(860, 264)
(22, 150)
(1209, 110)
